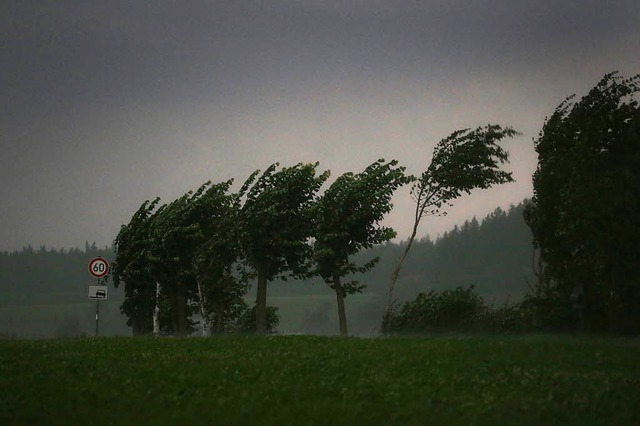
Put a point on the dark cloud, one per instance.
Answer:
(126, 98)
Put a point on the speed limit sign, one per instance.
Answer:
(98, 267)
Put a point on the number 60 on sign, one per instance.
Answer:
(98, 267)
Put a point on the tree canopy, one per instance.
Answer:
(276, 225)
(585, 213)
(465, 160)
(346, 220)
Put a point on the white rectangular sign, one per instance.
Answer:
(98, 292)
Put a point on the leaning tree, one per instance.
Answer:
(276, 226)
(346, 221)
(131, 267)
(221, 279)
(465, 160)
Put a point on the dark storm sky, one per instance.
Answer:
(107, 103)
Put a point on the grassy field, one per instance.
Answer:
(304, 380)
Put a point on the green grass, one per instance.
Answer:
(304, 380)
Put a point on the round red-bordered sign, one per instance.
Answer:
(98, 267)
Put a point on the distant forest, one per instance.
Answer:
(493, 254)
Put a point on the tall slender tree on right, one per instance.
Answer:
(465, 160)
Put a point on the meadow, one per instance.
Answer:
(311, 380)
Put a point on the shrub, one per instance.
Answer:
(247, 322)
(508, 318)
(450, 310)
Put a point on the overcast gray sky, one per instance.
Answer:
(107, 103)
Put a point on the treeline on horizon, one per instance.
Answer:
(493, 254)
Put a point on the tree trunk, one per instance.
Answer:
(202, 309)
(340, 296)
(220, 315)
(261, 302)
(181, 312)
(156, 312)
(396, 273)
(137, 325)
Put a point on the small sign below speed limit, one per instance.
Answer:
(98, 267)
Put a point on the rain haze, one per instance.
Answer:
(108, 103)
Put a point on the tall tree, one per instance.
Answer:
(585, 213)
(465, 160)
(222, 281)
(131, 266)
(194, 245)
(347, 220)
(170, 261)
(276, 226)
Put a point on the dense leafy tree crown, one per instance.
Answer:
(131, 245)
(587, 184)
(131, 266)
(347, 217)
(276, 221)
(465, 160)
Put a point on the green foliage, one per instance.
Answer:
(450, 310)
(509, 318)
(276, 225)
(347, 217)
(585, 213)
(133, 246)
(546, 312)
(276, 220)
(191, 248)
(464, 310)
(246, 323)
(465, 160)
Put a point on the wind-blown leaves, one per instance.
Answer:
(276, 225)
(346, 220)
(465, 160)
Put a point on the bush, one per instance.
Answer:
(548, 313)
(508, 318)
(247, 322)
(464, 310)
(450, 310)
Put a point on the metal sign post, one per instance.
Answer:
(97, 311)
(98, 267)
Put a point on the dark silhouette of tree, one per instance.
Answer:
(585, 213)
(131, 267)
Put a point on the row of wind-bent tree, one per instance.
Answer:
(465, 160)
(165, 250)
(199, 251)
